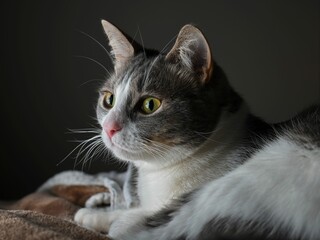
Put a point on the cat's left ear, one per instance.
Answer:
(192, 50)
(121, 49)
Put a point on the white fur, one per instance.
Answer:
(120, 93)
(283, 179)
(98, 199)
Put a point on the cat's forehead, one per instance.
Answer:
(134, 74)
(139, 75)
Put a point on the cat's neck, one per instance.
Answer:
(160, 184)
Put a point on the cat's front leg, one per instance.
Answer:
(97, 219)
(127, 222)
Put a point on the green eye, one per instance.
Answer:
(150, 105)
(108, 100)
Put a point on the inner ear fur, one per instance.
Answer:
(192, 50)
(121, 48)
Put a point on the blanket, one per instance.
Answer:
(32, 225)
(48, 212)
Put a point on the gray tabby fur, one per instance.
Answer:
(205, 167)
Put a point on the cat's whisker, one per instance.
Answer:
(156, 153)
(87, 151)
(94, 149)
(84, 130)
(106, 155)
(101, 151)
(164, 147)
(151, 66)
(147, 145)
(158, 149)
(161, 147)
(205, 133)
(77, 147)
(96, 41)
(135, 35)
(122, 164)
(88, 156)
(142, 43)
(92, 80)
(166, 46)
(83, 149)
(95, 61)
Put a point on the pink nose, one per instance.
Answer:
(112, 128)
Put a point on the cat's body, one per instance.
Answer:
(205, 167)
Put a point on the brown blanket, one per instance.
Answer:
(32, 225)
(48, 214)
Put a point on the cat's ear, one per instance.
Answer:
(192, 50)
(121, 49)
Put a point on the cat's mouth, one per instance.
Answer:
(124, 152)
(119, 150)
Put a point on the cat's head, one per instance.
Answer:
(160, 107)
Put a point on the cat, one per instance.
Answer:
(201, 165)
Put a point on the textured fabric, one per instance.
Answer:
(30, 225)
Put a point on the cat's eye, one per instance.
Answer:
(108, 100)
(150, 105)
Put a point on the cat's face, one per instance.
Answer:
(158, 107)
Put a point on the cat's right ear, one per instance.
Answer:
(121, 49)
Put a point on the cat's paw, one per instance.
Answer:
(98, 199)
(127, 223)
(93, 219)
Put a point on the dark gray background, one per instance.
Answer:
(269, 50)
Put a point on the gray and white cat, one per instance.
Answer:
(204, 167)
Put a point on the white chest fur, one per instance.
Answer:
(157, 187)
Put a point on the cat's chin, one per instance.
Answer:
(131, 155)
(125, 154)
(146, 157)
